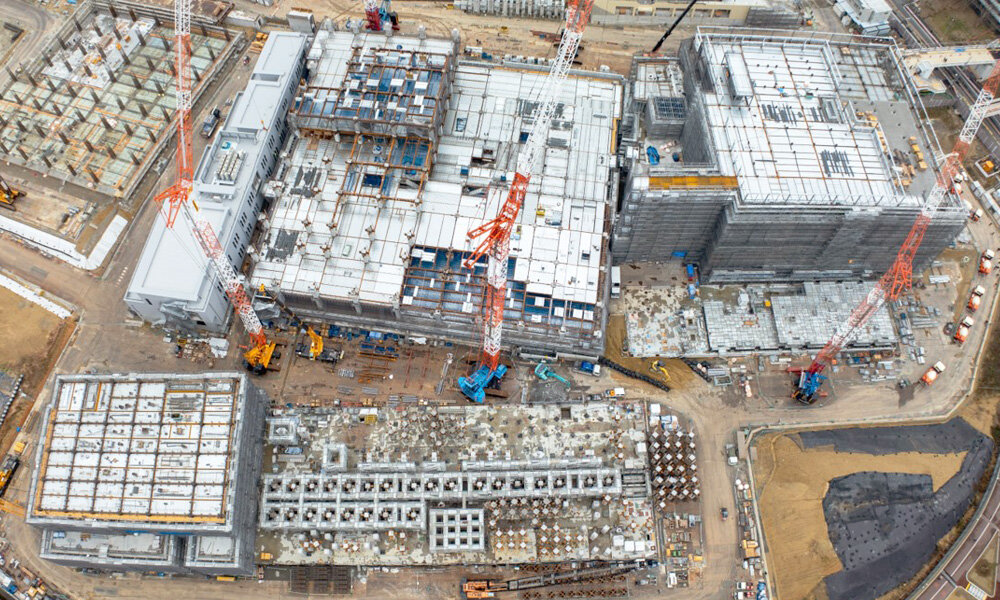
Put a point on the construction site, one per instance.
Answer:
(508, 324)
(413, 483)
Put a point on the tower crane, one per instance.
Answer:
(898, 278)
(495, 234)
(174, 200)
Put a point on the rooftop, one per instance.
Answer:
(150, 448)
(172, 264)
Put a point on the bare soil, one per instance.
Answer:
(791, 485)
(984, 572)
(955, 21)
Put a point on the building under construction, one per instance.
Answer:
(774, 156)
(401, 150)
(150, 472)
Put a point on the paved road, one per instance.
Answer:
(955, 571)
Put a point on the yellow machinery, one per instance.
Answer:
(316, 344)
(657, 367)
(8, 194)
(258, 359)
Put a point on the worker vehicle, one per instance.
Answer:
(477, 589)
(962, 331)
(976, 214)
(976, 298)
(724, 513)
(211, 122)
(932, 373)
(7, 584)
(8, 194)
(986, 261)
(589, 368)
(617, 392)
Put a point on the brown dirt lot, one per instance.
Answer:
(32, 340)
(791, 484)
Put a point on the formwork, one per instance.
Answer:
(95, 106)
(794, 162)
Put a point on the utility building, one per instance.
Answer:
(173, 283)
(763, 158)
(150, 472)
(402, 149)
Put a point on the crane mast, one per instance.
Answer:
(898, 278)
(495, 234)
(174, 199)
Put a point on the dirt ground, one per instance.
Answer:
(960, 594)
(680, 375)
(791, 484)
(955, 21)
(32, 340)
(984, 572)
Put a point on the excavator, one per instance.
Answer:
(657, 367)
(8, 194)
(316, 343)
(316, 350)
(479, 589)
(545, 373)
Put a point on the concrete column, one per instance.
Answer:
(151, 135)
(23, 154)
(31, 79)
(100, 33)
(66, 64)
(131, 14)
(46, 59)
(97, 180)
(197, 75)
(88, 145)
(142, 110)
(77, 24)
(142, 40)
(10, 72)
(121, 105)
(86, 69)
(211, 53)
(107, 125)
(71, 169)
(135, 159)
(39, 130)
(62, 137)
(94, 96)
(17, 98)
(111, 9)
(166, 115)
(36, 104)
(101, 52)
(111, 152)
(128, 128)
(46, 161)
(136, 82)
(3, 147)
(57, 110)
(159, 88)
(151, 64)
(62, 42)
(112, 77)
(79, 116)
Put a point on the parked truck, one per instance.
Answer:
(932, 373)
(986, 261)
(976, 298)
(962, 331)
(589, 368)
(211, 122)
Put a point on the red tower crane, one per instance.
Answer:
(898, 278)
(495, 234)
(174, 199)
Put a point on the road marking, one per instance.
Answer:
(976, 591)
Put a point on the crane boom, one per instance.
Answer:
(174, 199)
(898, 278)
(495, 234)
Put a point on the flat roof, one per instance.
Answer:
(145, 448)
(172, 263)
